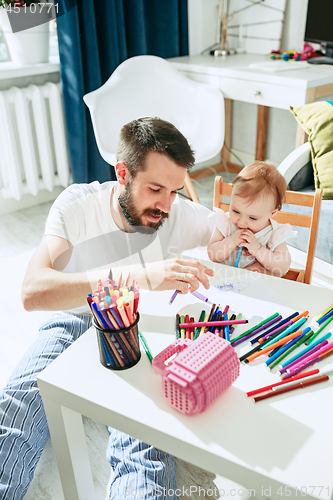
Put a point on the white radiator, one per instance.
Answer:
(33, 148)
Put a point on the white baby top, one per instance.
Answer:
(269, 237)
(82, 215)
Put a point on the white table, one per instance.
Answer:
(239, 82)
(280, 442)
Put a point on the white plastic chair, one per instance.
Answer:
(150, 86)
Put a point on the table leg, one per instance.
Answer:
(227, 129)
(70, 448)
(262, 122)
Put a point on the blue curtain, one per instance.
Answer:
(95, 36)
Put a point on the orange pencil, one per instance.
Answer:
(285, 340)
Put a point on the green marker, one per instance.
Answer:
(145, 347)
(254, 327)
(319, 330)
(197, 330)
(182, 330)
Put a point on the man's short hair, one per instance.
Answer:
(143, 135)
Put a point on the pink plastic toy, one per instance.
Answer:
(199, 374)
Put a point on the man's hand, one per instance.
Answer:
(177, 274)
(249, 242)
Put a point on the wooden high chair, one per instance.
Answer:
(294, 219)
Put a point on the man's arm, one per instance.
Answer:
(46, 287)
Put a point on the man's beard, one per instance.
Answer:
(131, 215)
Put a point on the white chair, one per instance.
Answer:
(150, 86)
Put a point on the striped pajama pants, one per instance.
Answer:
(139, 470)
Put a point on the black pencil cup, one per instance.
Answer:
(119, 349)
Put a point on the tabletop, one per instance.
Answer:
(239, 66)
(268, 446)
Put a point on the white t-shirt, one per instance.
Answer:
(82, 215)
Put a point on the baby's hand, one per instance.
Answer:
(237, 237)
(249, 241)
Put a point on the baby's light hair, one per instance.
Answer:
(260, 177)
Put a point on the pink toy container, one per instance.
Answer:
(199, 374)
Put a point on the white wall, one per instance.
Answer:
(282, 126)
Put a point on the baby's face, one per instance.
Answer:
(251, 214)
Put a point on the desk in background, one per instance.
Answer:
(238, 82)
(279, 443)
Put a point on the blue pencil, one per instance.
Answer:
(238, 257)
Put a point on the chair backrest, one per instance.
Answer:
(222, 189)
(150, 86)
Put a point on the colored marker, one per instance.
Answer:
(311, 339)
(270, 332)
(317, 352)
(226, 328)
(195, 293)
(291, 361)
(177, 326)
(182, 330)
(310, 362)
(271, 347)
(201, 318)
(300, 385)
(238, 257)
(213, 323)
(145, 346)
(290, 329)
(290, 349)
(281, 351)
(323, 313)
(239, 316)
(282, 382)
(262, 327)
(255, 327)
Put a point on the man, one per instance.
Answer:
(133, 226)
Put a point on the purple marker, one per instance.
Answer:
(263, 327)
(196, 294)
(302, 367)
(174, 295)
(305, 355)
(199, 296)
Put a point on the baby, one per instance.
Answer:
(257, 195)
